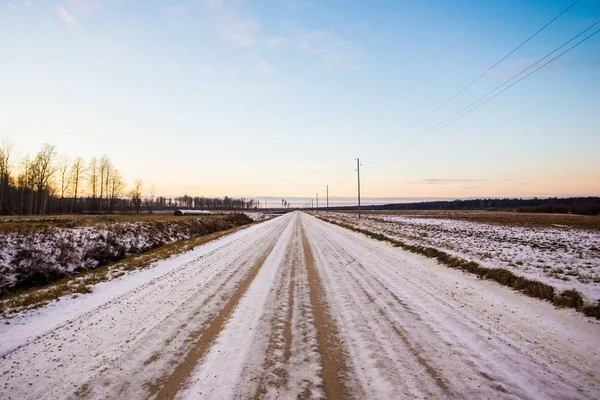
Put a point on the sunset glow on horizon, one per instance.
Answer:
(215, 98)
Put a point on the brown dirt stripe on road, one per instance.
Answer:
(168, 387)
(412, 348)
(280, 328)
(333, 357)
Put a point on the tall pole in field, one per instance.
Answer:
(358, 172)
(327, 186)
(317, 200)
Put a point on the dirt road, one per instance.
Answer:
(298, 308)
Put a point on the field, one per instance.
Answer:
(296, 307)
(31, 223)
(503, 218)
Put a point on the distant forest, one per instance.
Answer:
(50, 184)
(573, 205)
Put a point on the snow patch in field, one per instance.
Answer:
(56, 252)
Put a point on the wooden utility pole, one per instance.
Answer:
(317, 200)
(327, 186)
(358, 172)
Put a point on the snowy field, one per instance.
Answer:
(561, 256)
(43, 254)
(258, 216)
(298, 308)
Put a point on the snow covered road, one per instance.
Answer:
(298, 308)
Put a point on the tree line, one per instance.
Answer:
(574, 205)
(50, 183)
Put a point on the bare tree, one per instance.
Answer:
(150, 199)
(115, 185)
(25, 184)
(5, 152)
(136, 195)
(76, 173)
(108, 167)
(65, 180)
(93, 180)
(42, 170)
(47, 183)
(104, 170)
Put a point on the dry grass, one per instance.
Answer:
(530, 287)
(83, 282)
(32, 223)
(507, 218)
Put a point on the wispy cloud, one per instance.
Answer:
(274, 41)
(333, 49)
(238, 30)
(83, 6)
(263, 66)
(65, 16)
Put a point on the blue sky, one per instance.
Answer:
(279, 98)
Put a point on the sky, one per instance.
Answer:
(279, 98)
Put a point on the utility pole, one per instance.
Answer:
(327, 186)
(358, 172)
(317, 200)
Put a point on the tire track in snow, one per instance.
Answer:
(292, 364)
(187, 321)
(231, 367)
(482, 371)
(335, 368)
(382, 366)
(168, 388)
(358, 271)
(275, 375)
(352, 268)
(477, 358)
(410, 345)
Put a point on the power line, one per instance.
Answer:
(468, 108)
(490, 68)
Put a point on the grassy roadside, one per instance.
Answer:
(83, 282)
(532, 288)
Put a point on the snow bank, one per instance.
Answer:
(258, 216)
(35, 258)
